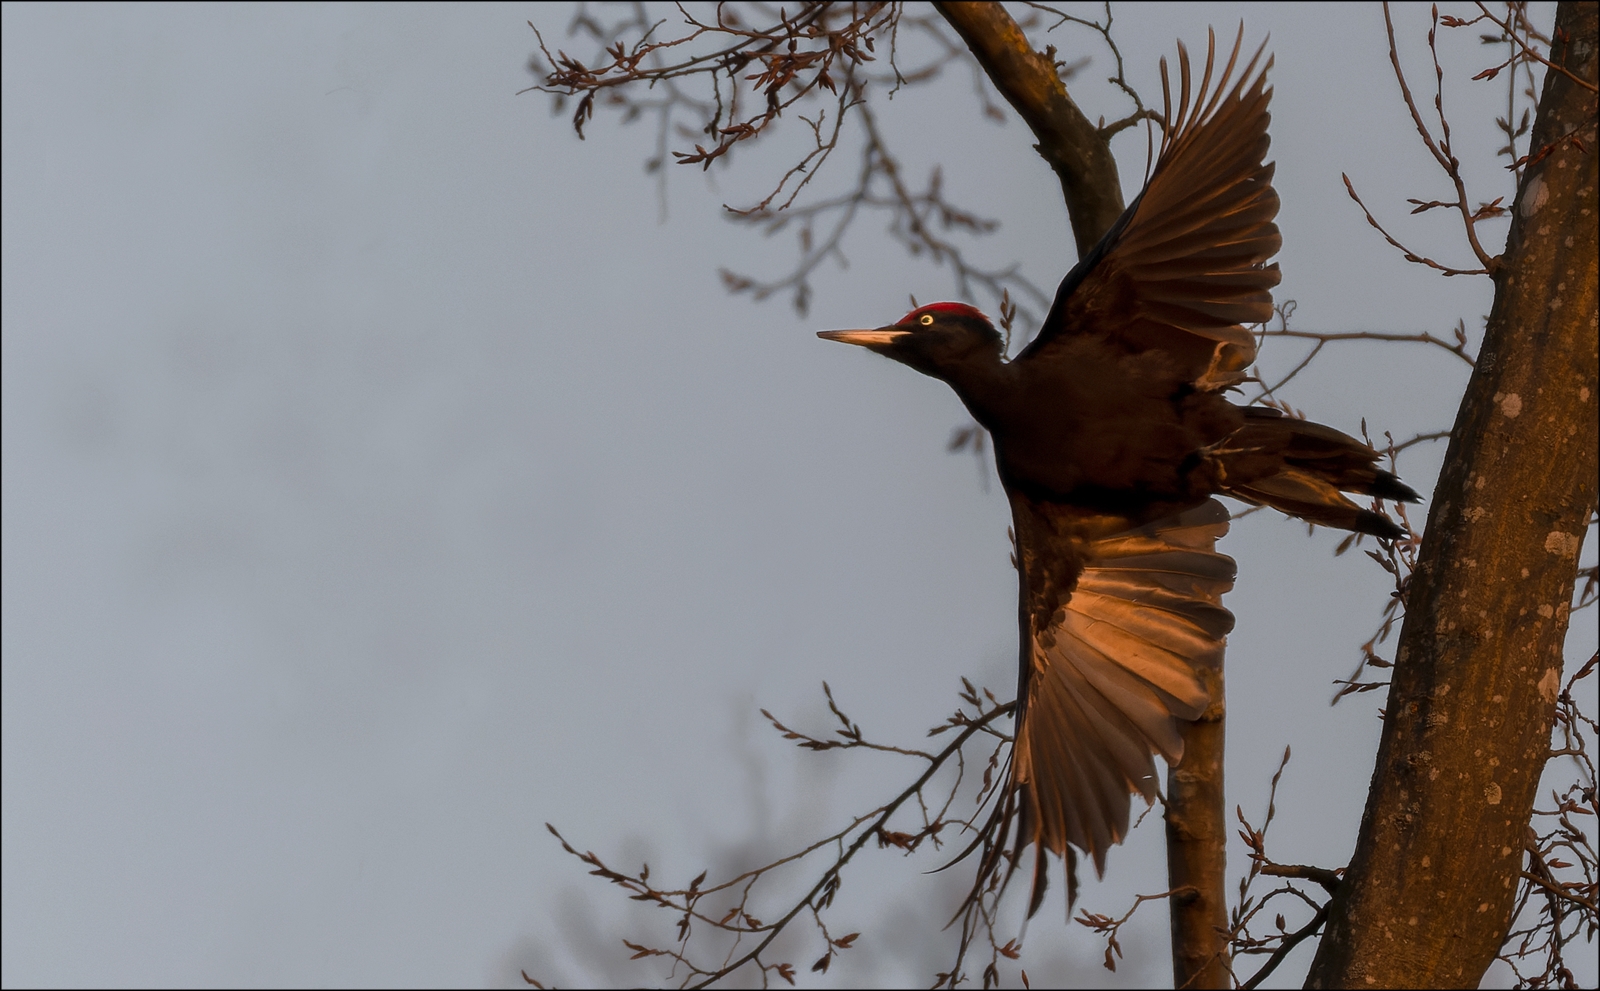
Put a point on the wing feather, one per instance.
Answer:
(1185, 268)
(1118, 623)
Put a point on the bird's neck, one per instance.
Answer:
(985, 384)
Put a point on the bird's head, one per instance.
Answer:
(936, 339)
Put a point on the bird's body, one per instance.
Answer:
(1094, 425)
(1111, 435)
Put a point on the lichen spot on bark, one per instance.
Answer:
(1510, 404)
(1491, 794)
(1561, 543)
(1550, 685)
(1534, 195)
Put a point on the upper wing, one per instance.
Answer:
(1184, 269)
(1116, 627)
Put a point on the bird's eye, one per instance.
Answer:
(927, 319)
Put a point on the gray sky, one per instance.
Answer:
(382, 480)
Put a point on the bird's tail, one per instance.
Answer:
(1304, 469)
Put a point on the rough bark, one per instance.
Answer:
(1427, 899)
(1197, 827)
(1068, 141)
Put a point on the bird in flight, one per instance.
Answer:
(1112, 436)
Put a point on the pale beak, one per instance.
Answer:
(865, 338)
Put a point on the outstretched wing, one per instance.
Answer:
(1184, 269)
(1117, 625)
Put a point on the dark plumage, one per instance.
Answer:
(1111, 435)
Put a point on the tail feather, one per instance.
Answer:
(1304, 469)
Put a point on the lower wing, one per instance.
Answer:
(1117, 625)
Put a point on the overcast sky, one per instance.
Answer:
(383, 478)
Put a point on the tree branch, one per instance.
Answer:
(1068, 140)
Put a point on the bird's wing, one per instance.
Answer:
(1184, 269)
(1116, 627)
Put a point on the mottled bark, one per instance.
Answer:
(1427, 899)
(1197, 827)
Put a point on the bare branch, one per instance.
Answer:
(741, 925)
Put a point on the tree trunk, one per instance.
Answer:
(1428, 896)
(1197, 822)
